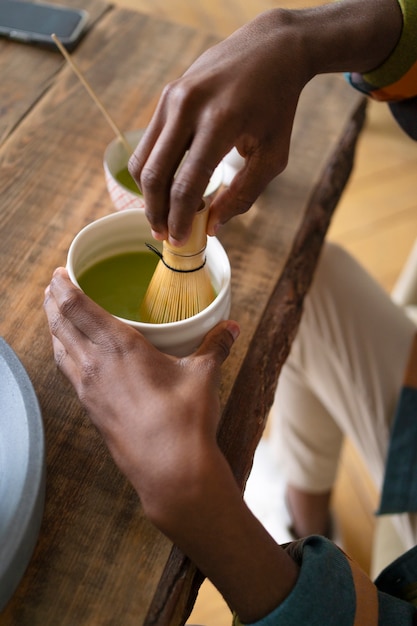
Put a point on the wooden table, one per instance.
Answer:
(98, 560)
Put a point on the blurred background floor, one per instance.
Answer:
(376, 221)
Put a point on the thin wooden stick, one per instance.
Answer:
(94, 96)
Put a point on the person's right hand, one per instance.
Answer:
(242, 92)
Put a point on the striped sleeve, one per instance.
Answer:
(395, 81)
(396, 78)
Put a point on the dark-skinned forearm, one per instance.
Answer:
(202, 511)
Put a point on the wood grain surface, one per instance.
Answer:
(98, 560)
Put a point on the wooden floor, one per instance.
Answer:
(376, 220)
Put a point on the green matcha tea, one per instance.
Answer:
(127, 181)
(119, 283)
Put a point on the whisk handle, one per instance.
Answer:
(198, 239)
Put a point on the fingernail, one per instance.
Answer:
(157, 236)
(176, 243)
(234, 330)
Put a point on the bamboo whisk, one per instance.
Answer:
(181, 285)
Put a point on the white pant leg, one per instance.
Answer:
(343, 375)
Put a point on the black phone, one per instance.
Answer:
(35, 22)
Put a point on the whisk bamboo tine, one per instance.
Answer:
(93, 95)
(181, 285)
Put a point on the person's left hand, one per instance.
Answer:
(151, 408)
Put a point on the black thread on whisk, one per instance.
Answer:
(174, 269)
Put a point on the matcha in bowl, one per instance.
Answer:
(122, 189)
(110, 261)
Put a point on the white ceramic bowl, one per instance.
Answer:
(116, 158)
(128, 231)
(232, 163)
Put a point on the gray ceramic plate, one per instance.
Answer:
(22, 471)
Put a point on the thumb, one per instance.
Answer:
(239, 196)
(219, 341)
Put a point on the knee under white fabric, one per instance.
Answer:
(343, 375)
